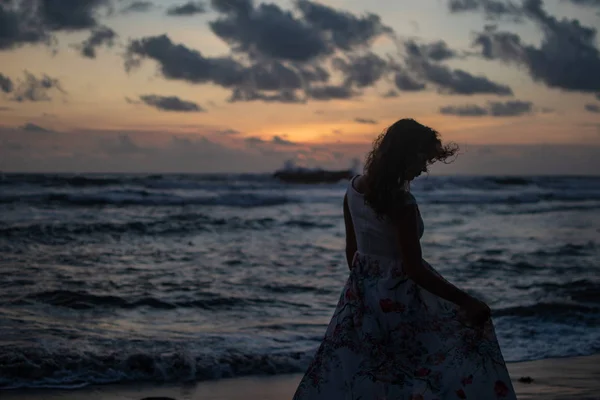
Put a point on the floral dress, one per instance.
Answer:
(391, 339)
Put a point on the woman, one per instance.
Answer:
(400, 331)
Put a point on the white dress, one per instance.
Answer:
(391, 339)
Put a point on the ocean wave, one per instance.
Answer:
(66, 368)
(83, 300)
(178, 224)
(146, 198)
(557, 311)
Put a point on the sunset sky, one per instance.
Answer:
(242, 86)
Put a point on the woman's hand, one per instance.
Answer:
(477, 312)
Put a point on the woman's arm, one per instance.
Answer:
(408, 238)
(351, 246)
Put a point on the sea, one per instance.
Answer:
(184, 278)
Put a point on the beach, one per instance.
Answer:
(573, 378)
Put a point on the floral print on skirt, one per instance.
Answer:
(391, 339)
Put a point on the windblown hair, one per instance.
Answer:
(400, 153)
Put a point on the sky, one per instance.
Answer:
(244, 86)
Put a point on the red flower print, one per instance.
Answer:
(501, 389)
(467, 380)
(388, 306)
(461, 394)
(439, 358)
(422, 372)
(350, 294)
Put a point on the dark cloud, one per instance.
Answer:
(567, 57)
(187, 9)
(29, 127)
(170, 103)
(459, 82)
(423, 62)
(492, 9)
(98, 37)
(594, 108)
(138, 6)
(330, 92)
(494, 109)
(435, 51)
(367, 121)
(35, 89)
(18, 27)
(346, 30)
(70, 14)
(267, 31)
(469, 110)
(254, 141)
(510, 108)
(35, 21)
(250, 94)
(6, 84)
(407, 83)
(180, 62)
(585, 3)
(228, 132)
(362, 71)
(278, 140)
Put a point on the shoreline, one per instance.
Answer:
(553, 379)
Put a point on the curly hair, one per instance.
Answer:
(399, 154)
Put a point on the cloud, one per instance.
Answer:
(187, 9)
(29, 127)
(250, 94)
(593, 108)
(98, 37)
(254, 141)
(407, 83)
(494, 109)
(228, 132)
(492, 9)
(367, 121)
(278, 140)
(423, 61)
(35, 21)
(457, 81)
(362, 71)
(35, 89)
(267, 31)
(137, 6)
(277, 55)
(435, 51)
(123, 145)
(170, 103)
(566, 59)
(469, 110)
(6, 84)
(179, 62)
(344, 29)
(585, 3)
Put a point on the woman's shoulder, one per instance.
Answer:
(407, 197)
